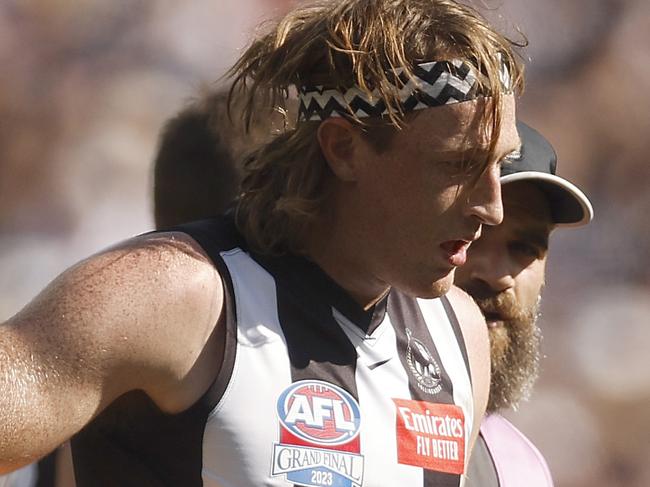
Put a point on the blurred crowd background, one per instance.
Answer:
(86, 86)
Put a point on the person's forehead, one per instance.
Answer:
(460, 127)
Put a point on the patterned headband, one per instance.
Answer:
(434, 84)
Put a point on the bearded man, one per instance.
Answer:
(504, 274)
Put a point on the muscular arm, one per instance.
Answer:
(138, 316)
(477, 342)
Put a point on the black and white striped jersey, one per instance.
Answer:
(313, 391)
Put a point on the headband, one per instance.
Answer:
(433, 84)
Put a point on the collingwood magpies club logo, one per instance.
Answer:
(423, 366)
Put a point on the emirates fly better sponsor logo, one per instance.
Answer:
(430, 435)
(319, 436)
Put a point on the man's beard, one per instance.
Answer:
(514, 350)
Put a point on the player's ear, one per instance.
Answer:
(337, 138)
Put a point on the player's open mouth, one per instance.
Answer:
(456, 251)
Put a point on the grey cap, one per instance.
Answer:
(537, 163)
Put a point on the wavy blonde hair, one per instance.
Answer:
(340, 43)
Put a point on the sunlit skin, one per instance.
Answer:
(505, 272)
(107, 326)
(511, 257)
(406, 216)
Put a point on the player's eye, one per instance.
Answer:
(452, 168)
(524, 249)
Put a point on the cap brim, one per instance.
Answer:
(569, 205)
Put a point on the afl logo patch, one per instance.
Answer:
(319, 436)
(319, 412)
(422, 365)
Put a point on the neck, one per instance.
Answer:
(337, 253)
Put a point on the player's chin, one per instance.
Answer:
(433, 287)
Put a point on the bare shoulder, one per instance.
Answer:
(138, 314)
(469, 315)
(174, 295)
(158, 256)
(475, 335)
(474, 329)
(143, 314)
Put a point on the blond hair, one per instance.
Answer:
(341, 43)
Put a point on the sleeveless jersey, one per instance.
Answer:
(504, 457)
(313, 390)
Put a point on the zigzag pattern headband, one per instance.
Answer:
(434, 84)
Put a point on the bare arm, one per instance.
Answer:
(137, 316)
(477, 342)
